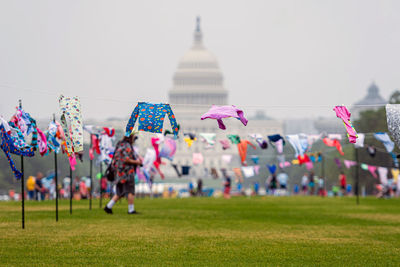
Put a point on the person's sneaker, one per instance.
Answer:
(107, 210)
(133, 212)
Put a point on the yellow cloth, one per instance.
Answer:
(395, 173)
(295, 162)
(189, 141)
(30, 183)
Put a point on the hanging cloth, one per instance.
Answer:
(294, 140)
(271, 168)
(242, 149)
(168, 149)
(71, 121)
(334, 143)
(393, 122)
(209, 138)
(349, 163)
(343, 113)
(385, 139)
(235, 139)
(151, 118)
(248, 171)
(360, 141)
(225, 144)
(220, 112)
(197, 158)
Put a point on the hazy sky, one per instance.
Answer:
(272, 53)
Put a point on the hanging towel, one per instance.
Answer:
(242, 148)
(372, 170)
(220, 112)
(209, 138)
(197, 158)
(255, 159)
(383, 175)
(334, 143)
(294, 140)
(360, 141)
(225, 144)
(271, 168)
(248, 171)
(235, 139)
(185, 170)
(349, 163)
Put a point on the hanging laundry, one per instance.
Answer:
(71, 121)
(151, 118)
(248, 171)
(312, 158)
(285, 164)
(189, 138)
(294, 140)
(106, 146)
(256, 169)
(295, 162)
(343, 113)
(385, 139)
(395, 160)
(303, 138)
(393, 122)
(225, 144)
(209, 138)
(372, 170)
(260, 140)
(42, 142)
(338, 163)
(334, 143)
(371, 151)
(309, 165)
(360, 141)
(185, 170)
(8, 147)
(95, 148)
(271, 168)
(349, 163)
(214, 173)
(176, 170)
(197, 158)
(51, 135)
(168, 149)
(275, 137)
(242, 148)
(220, 112)
(395, 173)
(303, 159)
(255, 159)
(364, 166)
(238, 173)
(235, 139)
(226, 158)
(383, 175)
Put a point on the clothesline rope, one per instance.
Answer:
(108, 99)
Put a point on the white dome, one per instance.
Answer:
(198, 58)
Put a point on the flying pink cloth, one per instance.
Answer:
(225, 144)
(344, 114)
(42, 142)
(309, 165)
(372, 170)
(349, 163)
(72, 162)
(220, 112)
(284, 164)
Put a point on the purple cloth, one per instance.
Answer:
(220, 112)
(338, 163)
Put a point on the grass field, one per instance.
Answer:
(273, 231)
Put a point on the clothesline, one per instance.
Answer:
(110, 99)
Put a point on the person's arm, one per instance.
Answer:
(133, 161)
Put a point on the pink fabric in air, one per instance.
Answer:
(220, 112)
(344, 114)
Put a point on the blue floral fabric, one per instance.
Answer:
(151, 118)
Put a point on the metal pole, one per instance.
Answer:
(357, 177)
(101, 189)
(23, 192)
(22, 184)
(70, 191)
(56, 175)
(91, 180)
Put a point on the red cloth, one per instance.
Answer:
(342, 180)
(303, 159)
(95, 146)
(334, 143)
(242, 148)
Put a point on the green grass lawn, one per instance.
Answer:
(273, 231)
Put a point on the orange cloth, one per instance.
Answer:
(242, 148)
(334, 143)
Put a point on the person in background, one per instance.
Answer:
(227, 187)
(199, 187)
(304, 183)
(30, 187)
(39, 188)
(273, 185)
(311, 183)
(342, 182)
(321, 191)
(83, 189)
(282, 179)
(256, 187)
(191, 188)
(296, 189)
(125, 162)
(239, 187)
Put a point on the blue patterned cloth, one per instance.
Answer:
(151, 118)
(8, 146)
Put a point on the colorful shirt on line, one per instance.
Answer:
(151, 118)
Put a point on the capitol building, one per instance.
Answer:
(198, 83)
